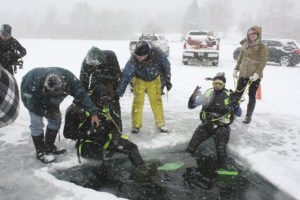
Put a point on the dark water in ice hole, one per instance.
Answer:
(196, 180)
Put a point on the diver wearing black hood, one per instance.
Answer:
(218, 109)
(102, 67)
(103, 141)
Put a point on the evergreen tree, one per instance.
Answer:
(191, 20)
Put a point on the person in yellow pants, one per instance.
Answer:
(153, 89)
(151, 70)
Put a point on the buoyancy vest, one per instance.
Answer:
(217, 109)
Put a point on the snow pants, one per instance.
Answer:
(220, 135)
(242, 83)
(153, 89)
(94, 150)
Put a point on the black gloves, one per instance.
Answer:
(193, 97)
(233, 107)
(196, 93)
(169, 85)
(234, 101)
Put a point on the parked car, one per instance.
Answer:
(201, 46)
(283, 52)
(155, 40)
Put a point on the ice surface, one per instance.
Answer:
(270, 144)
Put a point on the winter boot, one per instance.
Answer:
(135, 130)
(247, 120)
(39, 145)
(163, 129)
(49, 142)
(250, 109)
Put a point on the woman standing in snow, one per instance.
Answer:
(250, 66)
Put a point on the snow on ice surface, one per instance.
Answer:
(270, 144)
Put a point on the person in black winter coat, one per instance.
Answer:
(102, 67)
(218, 110)
(103, 141)
(10, 50)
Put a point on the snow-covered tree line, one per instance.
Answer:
(275, 16)
(83, 21)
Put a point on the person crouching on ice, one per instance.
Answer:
(103, 141)
(218, 109)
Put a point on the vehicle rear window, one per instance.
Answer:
(198, 33)
(296, 44)
(275, 44)
(146, 37)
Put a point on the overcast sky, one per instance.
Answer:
(13, 6)
(167, 13)
(10, 7)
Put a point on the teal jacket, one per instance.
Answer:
(35, 98)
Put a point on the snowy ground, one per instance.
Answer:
(270, 145)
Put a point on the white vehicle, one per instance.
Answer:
(155, 40)
(201, 46)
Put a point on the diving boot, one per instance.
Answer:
(145, 172)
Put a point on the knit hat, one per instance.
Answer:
(142, 48)
(5, 30)
(220, 77)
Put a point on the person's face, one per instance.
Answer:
(141, 58)
(103, 101)
(4, 38)
(218, 85)
(253, 35)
